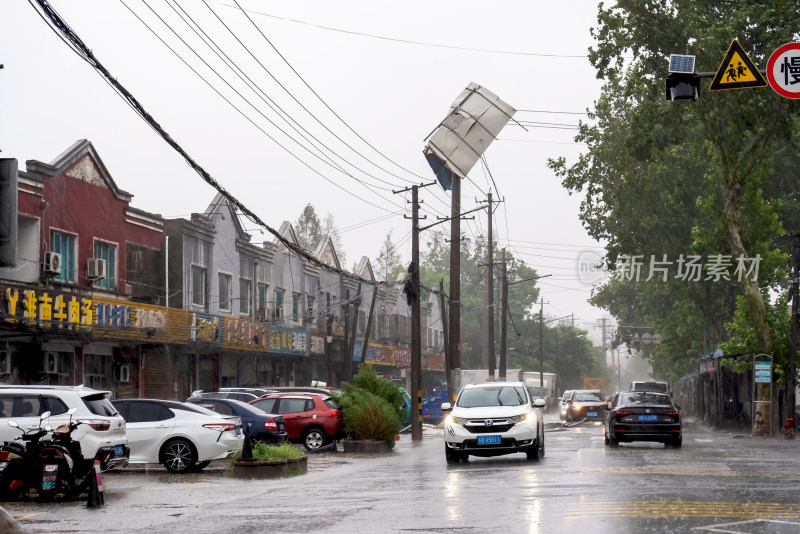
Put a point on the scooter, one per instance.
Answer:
(61, 465)
(18, 460)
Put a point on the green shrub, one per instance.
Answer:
(284, 451)
(371, 408)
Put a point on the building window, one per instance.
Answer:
(198, 286)
(107, 252)
(310, 310)
(64, 244)
(225, 294)
(295, 307)
(244, 296)
(262, 301)
(279, 303)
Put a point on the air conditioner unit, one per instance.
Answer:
(52, 262)
(95, 268)
(5, 362)
(123, 373)
(51, 363)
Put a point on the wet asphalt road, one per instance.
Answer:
(718, 482)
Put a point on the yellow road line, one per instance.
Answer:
(678, 509)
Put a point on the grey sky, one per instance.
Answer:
(389, 70)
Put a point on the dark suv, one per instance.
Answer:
(584, 405)
(311, 419)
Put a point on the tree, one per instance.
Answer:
(388, 260)
(329, 228)
(681, 178)
(308, 229)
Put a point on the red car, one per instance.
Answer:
(311, 419)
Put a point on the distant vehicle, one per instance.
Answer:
(531, 379)
(491, 419)
(181, 436)
(651, 385)
(311, 419)
(242, 394)
(564, 403)
(584, 405)
(643, 416)
(266, 427)
(432, 405)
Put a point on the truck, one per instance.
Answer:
(546, 391)
(478, 376)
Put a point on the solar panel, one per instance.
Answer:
(681, 63)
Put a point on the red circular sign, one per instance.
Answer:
(783, 70)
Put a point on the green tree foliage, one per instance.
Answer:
(308, 228)
(664, 178)
(388, 260)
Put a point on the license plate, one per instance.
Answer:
(489, 440)
(118, 451)
(591, 414)
(238, 430)
(648, 418)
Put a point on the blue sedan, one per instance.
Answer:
(265, 427)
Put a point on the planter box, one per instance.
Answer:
(365, 445)
(269, 468)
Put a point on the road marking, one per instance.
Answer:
(719, 528)
(684, 509)
(707, 471)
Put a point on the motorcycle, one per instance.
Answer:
(61, 466)
(18, 460)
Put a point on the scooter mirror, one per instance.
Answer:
(71, 411)
(13, 424)
(45, 415)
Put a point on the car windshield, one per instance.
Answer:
(644, 399)
(589, 396)
(492, 396)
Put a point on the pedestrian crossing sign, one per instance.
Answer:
(737, 71)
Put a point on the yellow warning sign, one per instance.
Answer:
(737, 71)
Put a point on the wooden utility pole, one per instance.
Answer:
(541, 341)
(490, 297)
(454, 338)
(416, 338)
(503, 315)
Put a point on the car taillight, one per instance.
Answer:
(271, 424)
(98, 424)
(220, 427)
(621, 413)
(333, 413)
(672, 413)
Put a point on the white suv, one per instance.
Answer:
(492, 419)
(103, 435)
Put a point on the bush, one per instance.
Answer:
(371, 408)
(284, 451)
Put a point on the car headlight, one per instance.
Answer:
(460, 421)
(576, 406)
(522, 418)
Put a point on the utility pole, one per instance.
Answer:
(795, 319)
(503, 314)
(413, 296)
(454, 338)
(490, 296)
(448, 360)
(605, 349)
(541, 341)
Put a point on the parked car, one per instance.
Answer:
(179, 435)
(563, 402)
(491, 419)
(643, 416)
(311, 419)
(102, 438)
(585, 405)
(242, 394)
(266, 427)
